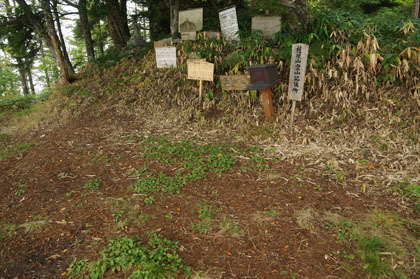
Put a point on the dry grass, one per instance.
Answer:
(307, 218)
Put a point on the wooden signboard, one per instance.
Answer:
(229, 23)
(163, 43)
(165, 57)
(236, 82)
(200, 70)
(193, 15)
(269, 25)
(297, 71)
(188, 36)
(297, 76)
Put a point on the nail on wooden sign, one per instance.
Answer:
(236, 82)
(194, 16)
(200, 70)
(165, 57)
(297, 71)
(269, 25)
(229, 23)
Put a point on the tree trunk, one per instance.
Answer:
(23, 80)
(48, 35)
(31, 81)
(174, 16)
(84, 22)
(101, 39)
(299, 13)
(123, 14)
(416, 7)
(65, 70)
(60, 34)
(116, 27)
(47, 75)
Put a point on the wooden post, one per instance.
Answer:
(200, 91)
(268, 104)
(292, 118)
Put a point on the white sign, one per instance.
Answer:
(229, 23)
(165, 57)
(193, 15)
(269, 25)
(297, 71)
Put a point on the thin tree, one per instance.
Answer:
(49, 35)
(85, 25)
(416, 7)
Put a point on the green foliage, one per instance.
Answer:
(206, 214)
(412, 190)
(7, 151)
(157, 259)
(93, 184)
(17, 103)
(76, 268)
(9, 80)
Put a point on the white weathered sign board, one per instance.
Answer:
(165, 57)
(269, 25)
(193, 15)
(200, 70)
(297, 71)
(229, 23)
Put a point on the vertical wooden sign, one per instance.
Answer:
(297, 75)
(229, 23)
(165, 57)
(298, 71)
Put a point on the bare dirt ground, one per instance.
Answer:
(266, 218)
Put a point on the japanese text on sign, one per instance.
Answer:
(297, 71)
(165, 57)
(200, 70)
(229, 23)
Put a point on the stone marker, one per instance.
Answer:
(136, 42)
(188, 36)
(163, 43)
(193, 15)
(188, 30)
(211, 35)
(165, 57)
(269, 25)
(236, 82)
(229, 23)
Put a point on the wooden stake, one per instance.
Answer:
(292, 118)
(201, 91)
(268, 104)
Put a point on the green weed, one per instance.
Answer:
(206, 214)
(230, 226)
(93, 184)
(157, 259)
(7, 151)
